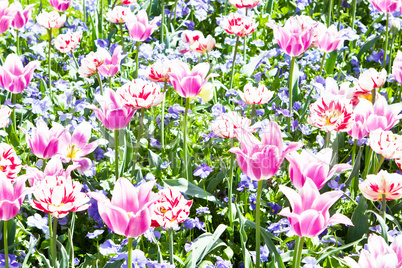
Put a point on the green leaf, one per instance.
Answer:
(215, 180)
(369, 44)
(128, 152)
(382, 223)
(243, 239)
(270, 6)
(355, 172)
(360, 222)
(30, 250)
(46, 261)
(116, 264)
(330, 62)
(155, 159)
(64, 255)
(336, 250)
(249, 68)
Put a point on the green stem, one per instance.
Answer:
(14, 100)
(110, 81)
(322, 63)
(384, 206)
(170, 233)
(84, 10)
(379, 165)
(54, 237)
(257, 225)
(331, 3)
(354, 151)
(230, 189)
(253, 113)
(185, 138)
(163, 20)
(18, 41)
(137, 145)
(116, 153)
(5, 238)
(367, 164)
(245, 43)
(122, 42)
(100, 83)
(163, 116)
(292, 65)
(175, 12)
(48, 67)
(136, 59)
(234, 62)
(71, 233)
(385, 47)
(130, 247)
(327, 139)
(101, 20)
(297, 254)
(399, 94)
(354, 4)
(373, 95)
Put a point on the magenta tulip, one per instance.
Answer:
(21, 16)
(386, 6)
(138, 26)
(111, 64)
(60, 5)
(14, 76)
(329, 39)
(6, 17)
(11, 197)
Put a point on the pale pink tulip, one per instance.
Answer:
(310, 210)
(14, 76)
(138, 26)
(113, 113)
(245, 3)
(332, 88)
(385, 183)
(159, 71)
(260, 160)
(189, 83)
(397, 67)
(44, 142)
(60, 5)
(11, 196)
(128, 213)
(92, 61)
(386, 6)
(65, 43)
(111, 65)
(239, 25)
(118, 14)
(255, 95)
(378, 254)
(386, 143)
(58, 195)
(6, 17)
(314, 166)
(295, 37)
(226, 125)
(4, 116)
(21, 16)
(10, 164)
(171, 209)
(329, 39)
(51, 20)
(140, 94)
(330, 113)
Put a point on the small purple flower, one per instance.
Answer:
(221, 263)
(102, 43)
(41, 223)
(164, 165)
(218, 109)
(203, 171)
(208, 137)
(274, 208)
(310, 262)
(252, 199)
(109, 247)
(12, 262)
(247, 183)
(231, 92)
(155, 143)
(202, 210)
(95, 234)
(192, 223)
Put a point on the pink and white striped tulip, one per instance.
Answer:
(255, 95)
(140, 94)
(118, 14)
(138, 26)
(113, 113)
(310, 209)
(92, 61)
(397, 67)
(128, 2)
(371, 79)
(329, 39)
(386, 6)
(386, 143)
(14, 76)
(11, 196)
(314, 166)
(385, 183)
(159, 71)
(51, 20)
(4, 116)
(260, 160)
(239, 25)
(171, 209)
(197, 42)
(226, 125)
(10, 164)
(111, 65)
(6, 17)
(60, 5)
(129, 212)
(245, 3)
(65, 43)
(21, 16)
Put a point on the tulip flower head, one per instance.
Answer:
(128, 2)
(21, 16)
(329, 39)
(255, 95)
(4, 116)
(386, 144)
(140, 94)
(310, 210)
(226, 125)
(384, 183)
(10, 164)
(159, 71)
(119, 14)
(6, 17)
(14, 76)
(65, 43)
(239, 25)
(11, 196)
(386, 6)
(260, 160)
(197, 42)
(129, 212)
(92, 61)
(111, 64)
(397, 67)
(60, 5)
(138, 26)
(245, 3)
(171, 209)
(51, 20)
(207, 93)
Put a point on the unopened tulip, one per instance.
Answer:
(239, 25)
(386, 143)
(118, 14)
(111, 64)
(255, 95)
(51, 20)
(138, 26)
(60, 5)
(21, 16)
(384, 183)
(140, 94)
(65, 43)
(226, 125)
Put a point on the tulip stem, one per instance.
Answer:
(331, 4)
(384, 206)
(122, 43)
(230, 186)
(100, 83)
(257, 225)
(175, 11)
(292, 65)
(84, 10)
(163, 116)
(137, 145)
(130, 246)
(136, 59)
(14, 100)
(322, 63)
(354, 151)
(100, 26)
(170, 234)
(234, 62)
(245, 43)
(5, 238)
(54, 257)
(253, 113)
(327, 139)
(18, 41)
(116, 153)
(48, 65)
(163, 20)
(385, 47)
(367, 164)
(379, 165)
(297, 253)
(185, 138)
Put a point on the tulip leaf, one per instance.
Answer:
(116, 264)
(336, 250)
(64, 255)
(360, 221)
(215, 180)
(243, 239)
(382, 223)
(128, 152)
(155, 160)
(354, 178)
(330, 62)
(46, 261)
(270, 6)
(30, 250)
(369, 44)
(190, 189)
(253, 64)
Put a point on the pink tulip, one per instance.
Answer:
(138, 26)
(316, 167)
(332, 88)
(44, 142)
(197, 42)
(386, 143)
(329, 39)
(255, 95)
(245, 3)
(4, 116)
(370, 79)
(171, 209)
(377, 253)
(330, 113)
(260, 160)
(10, 164)
(14, 76)
(6, 17)
(65, 43)
(92, 61)
(188, 83)
(369, 117)
(226, 125)
(310, 210)
(118, 14)
(21, 16)
(375, 186)
(397, 67)
(239, 25)
(113, 113)
(60, 5)
(111, 65)
(295, 37)
(386, 6)
(51, 20)
(140, 94)
(58, 195)
(128, 213)
(128, 2)
(159, 71)
(11, 196)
